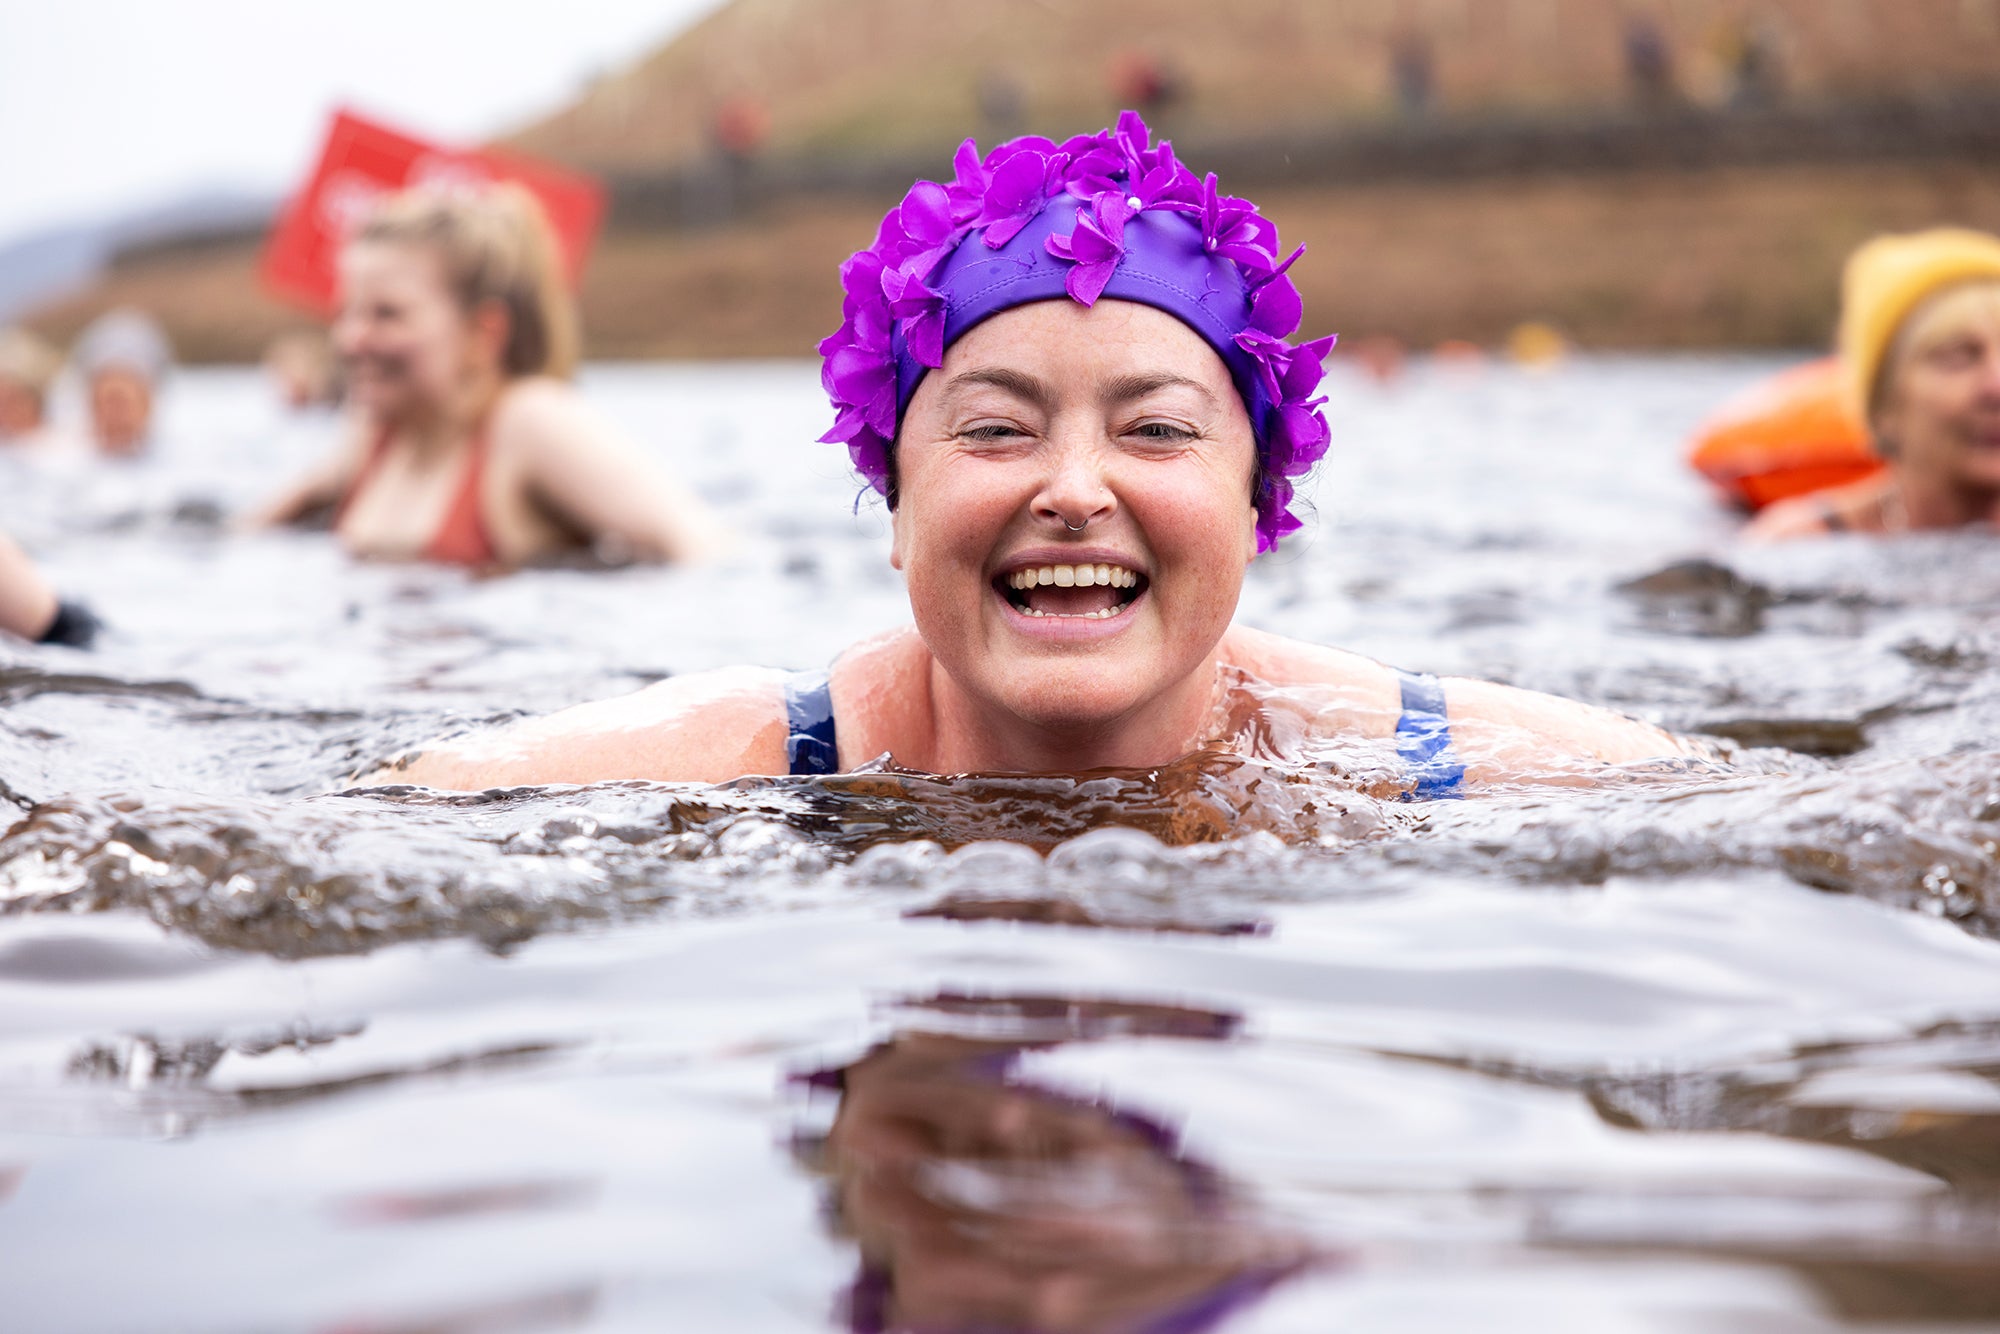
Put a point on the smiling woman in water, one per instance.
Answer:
(1069, 373)
(1920, 348)
(467, 445)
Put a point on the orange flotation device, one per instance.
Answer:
(1789, 436)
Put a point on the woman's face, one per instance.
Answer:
(1940, 409)
(121, 409)
(402, 337)
(1115, 419)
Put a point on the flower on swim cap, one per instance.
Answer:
(1109, 214)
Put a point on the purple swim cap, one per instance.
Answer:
(1106, 214)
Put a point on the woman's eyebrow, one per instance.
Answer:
(1126, 388)
(1018, 383)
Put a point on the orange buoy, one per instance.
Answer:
(1791, 435)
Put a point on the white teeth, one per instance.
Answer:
(1074, 576)
(1104, 615)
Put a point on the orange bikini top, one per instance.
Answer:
(462, 539)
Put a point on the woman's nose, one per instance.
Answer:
(1989, 371)
(1075, 491)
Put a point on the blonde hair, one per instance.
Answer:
(496, 245)
(28, 362)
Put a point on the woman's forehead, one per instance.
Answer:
(1062, 338)
(1967, 308)
(406, 262)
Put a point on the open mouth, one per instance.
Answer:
(1085, 592)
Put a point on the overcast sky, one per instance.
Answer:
(110, 104)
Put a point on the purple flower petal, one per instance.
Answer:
(1275, 308)
(1018, 191)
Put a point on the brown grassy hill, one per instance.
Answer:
(846, 77)
(1638, 236)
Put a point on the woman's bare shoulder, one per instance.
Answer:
(537, 410)
(882, 700)
(704, 727)
(1294, 662)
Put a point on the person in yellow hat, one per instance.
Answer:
(1920, 346)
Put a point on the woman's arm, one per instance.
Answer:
(1499, 733)
(704, 728)
(1503, 733)
(591, 478)
(1802, 516)
(323, 485)
(27, 604)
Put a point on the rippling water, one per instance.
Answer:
(1230, 1045)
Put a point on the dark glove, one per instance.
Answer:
(74, 625)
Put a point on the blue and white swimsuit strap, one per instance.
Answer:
(1423, 739)
(1423, 735)
(810, 741)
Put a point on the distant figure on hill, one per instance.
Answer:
(1145, 80)
(1920, 343)
(30, 609)
(1649, 61)
(1411, 72)
(123, 358)
(467, 445)
(1003, 105)
(27, 368)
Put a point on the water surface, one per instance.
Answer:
(1236, 1044)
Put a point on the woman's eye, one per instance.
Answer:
(1162, 431)
(990, 431)
(1953, 355)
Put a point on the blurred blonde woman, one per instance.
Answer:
(1920, 346)
(27, 367)
(466, 444)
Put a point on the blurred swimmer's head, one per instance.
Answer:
(1938, 410)
(440, 290)
(27, 366)
(300, 365)
(1885, 282)
(123, 356)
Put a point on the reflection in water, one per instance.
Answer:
(564, 1308)
(984, 1201)
(379, 1208)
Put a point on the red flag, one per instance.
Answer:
(363, 161)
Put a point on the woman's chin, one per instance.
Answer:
(1073, 697)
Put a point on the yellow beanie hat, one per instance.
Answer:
(1885, 281)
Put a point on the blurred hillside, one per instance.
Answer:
(872, 78)
(1676, 173)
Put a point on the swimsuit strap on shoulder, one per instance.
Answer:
(810, 742)
(1423, 739)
